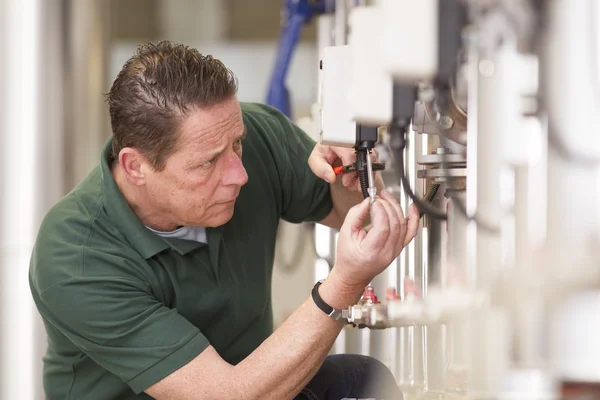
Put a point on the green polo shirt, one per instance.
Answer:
(124, 307)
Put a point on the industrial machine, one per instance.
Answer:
(484, 113)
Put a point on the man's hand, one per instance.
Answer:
(323, 158)
(362, 255)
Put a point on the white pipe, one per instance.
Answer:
(341, 23)
(571, 91)
(20, 178)
(570, 85)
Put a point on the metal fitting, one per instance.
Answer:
(446, 122)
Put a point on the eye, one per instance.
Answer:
(238, 143)
(208, 163)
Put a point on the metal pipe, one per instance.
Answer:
(435, 349)
(87, 65)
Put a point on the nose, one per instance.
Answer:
(235, 173)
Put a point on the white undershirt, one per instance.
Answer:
(195, 233)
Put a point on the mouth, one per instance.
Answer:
(230, 201)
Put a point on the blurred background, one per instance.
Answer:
(58, 58)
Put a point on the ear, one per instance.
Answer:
(134, 164)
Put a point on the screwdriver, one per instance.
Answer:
(372, 190)
(345, 169)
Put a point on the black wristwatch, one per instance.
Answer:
(338, 315)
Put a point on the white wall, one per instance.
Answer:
(252, 63)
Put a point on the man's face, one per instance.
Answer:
(202, 178)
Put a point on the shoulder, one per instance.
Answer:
(74, 236)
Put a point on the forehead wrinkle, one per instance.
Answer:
(211, 135)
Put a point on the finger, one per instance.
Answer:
(399, 244)
(350, 181)
(320, 163)
(394, 202)
(356, 216)
(380, 228)
(396, 231)
(347, 155)
(413, 224)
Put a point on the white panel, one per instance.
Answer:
(371, 90)
(409, 46)
(337, 126)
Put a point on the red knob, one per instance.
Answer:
(391, 294)
(369, 295)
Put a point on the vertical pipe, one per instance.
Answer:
(414, 337)
(420, 270)
(434, 346)
(87, 65)
(20, 90)
(488, 181)
(457, 277)
(521, 213)
(569, 73)
(570, 84)
(488, 339)
(378, 344)
(341, 23)
(45, 57)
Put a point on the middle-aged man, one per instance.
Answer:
(153, 275)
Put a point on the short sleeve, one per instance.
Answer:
(305, 197)
(119, 324)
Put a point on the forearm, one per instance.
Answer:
(284, 363)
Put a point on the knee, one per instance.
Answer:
(377, 373)
(369, 374)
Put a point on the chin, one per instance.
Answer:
(220, 219)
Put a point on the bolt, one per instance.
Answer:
(442, 150)
(446, 122)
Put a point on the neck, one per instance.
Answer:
(141, 204)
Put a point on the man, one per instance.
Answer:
(153, 275)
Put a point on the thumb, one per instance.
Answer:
(357, 215)
(321, 167)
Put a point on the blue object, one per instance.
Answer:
(298, 13)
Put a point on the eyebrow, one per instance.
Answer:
(216, 153)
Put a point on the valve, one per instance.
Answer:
(369, 296)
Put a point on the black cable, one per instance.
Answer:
(397, 144)
(363, 173)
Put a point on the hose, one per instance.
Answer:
(363, 174)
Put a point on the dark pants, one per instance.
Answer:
(351, 376)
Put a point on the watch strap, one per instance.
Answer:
(338, 315)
